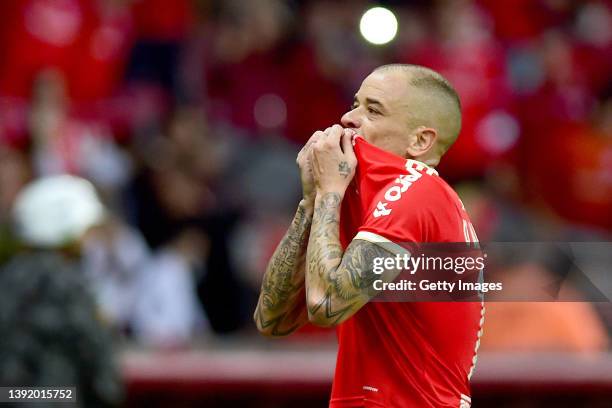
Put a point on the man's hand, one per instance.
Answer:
(333, 160)
(304, 162)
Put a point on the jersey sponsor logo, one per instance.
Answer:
(401, 185)
(381, 210)
(370, 388)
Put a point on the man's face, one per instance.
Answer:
(380, 111)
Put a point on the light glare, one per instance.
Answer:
(378, 25)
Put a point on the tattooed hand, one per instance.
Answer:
(333, 160)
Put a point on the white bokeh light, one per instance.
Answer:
(378, 25)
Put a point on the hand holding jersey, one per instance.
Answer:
(334, 158)
(333, 161)
(304, 163)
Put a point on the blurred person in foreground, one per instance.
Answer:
(403, 119)
(51, 332)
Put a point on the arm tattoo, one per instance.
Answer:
(357, 274)
(326, 303)
(338, 284)
(284, 278)
(325, 236)
(286, 322)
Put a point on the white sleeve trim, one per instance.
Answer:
(382, 242)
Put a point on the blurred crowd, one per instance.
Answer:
(187, 117)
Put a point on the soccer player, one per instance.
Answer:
(368, 186)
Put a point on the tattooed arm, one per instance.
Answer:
(337, 284)
(281, 308)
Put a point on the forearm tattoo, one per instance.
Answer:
(285, 322)
(344, 280)
(284, 277)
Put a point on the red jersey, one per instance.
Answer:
(404, 354)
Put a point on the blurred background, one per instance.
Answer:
(187, 116)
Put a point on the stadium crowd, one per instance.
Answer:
(187, 116)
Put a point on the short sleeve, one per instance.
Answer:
(398, 214)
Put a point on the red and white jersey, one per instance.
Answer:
(404, 354)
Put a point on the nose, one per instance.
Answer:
(351, 120)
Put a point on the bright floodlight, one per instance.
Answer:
(378, 25)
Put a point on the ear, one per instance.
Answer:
(422, 141)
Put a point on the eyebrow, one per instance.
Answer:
(370, 101)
